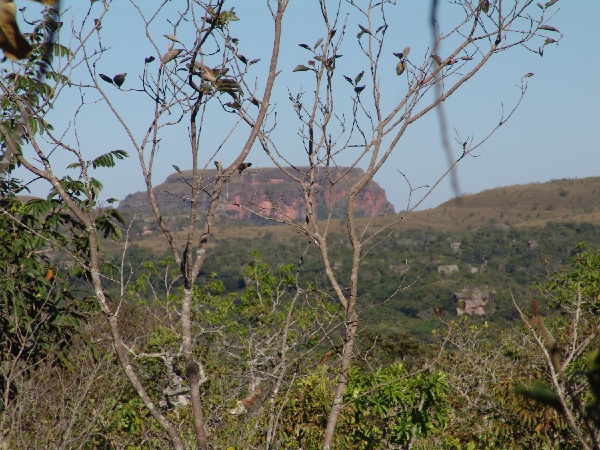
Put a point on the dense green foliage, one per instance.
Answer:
(496, 258)
(472, 399)
(40, 315)
(385, 408)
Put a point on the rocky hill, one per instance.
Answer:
(266, 191)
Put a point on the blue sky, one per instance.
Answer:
(554, 133)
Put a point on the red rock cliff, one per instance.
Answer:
(263, 192)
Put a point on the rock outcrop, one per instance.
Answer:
(257, 195)
(471, 300)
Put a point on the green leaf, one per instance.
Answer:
(116, 215)
(96, 187)
(108, 159)
(400, 67)
(549, 28)
(359, 77)
(109, 269)
(301, 68)
(484, 6)
(106, 78)
(39, 207)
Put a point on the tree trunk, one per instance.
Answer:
(338, 398)
(192, 370)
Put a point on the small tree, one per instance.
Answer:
(385, 409)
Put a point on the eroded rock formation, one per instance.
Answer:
(472, 300)
(256, 193)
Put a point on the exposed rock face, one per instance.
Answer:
(257, 193)
(471, 300)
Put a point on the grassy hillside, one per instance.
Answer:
(530, 205)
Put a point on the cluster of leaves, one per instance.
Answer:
(593, 376)
(239, 337)
(516, 418)
(582, 281)
(535, 386)
(504, 258)
(259, 297)
(39, 314)
(485, 412)
(385, 408)
(395, 408)
(107, 221)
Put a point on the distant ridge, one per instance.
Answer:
(536, 204)
(532, 205)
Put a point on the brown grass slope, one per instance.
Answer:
(531, 205)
